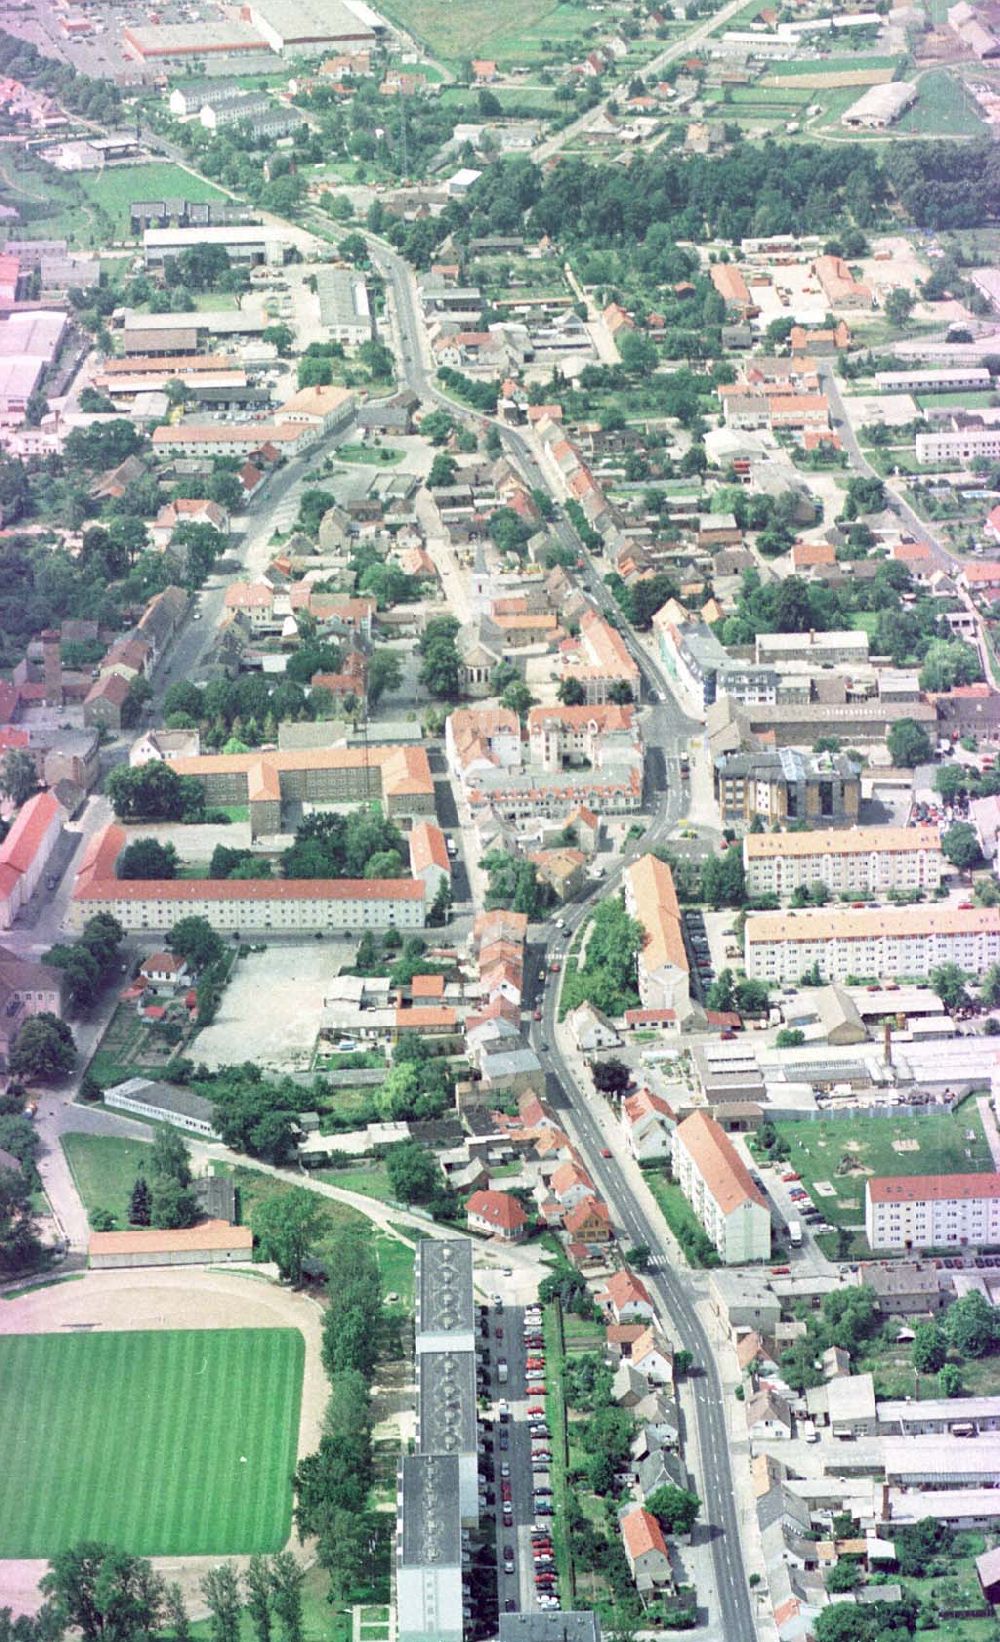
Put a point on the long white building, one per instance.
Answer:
(862, 860)
(933, 1211)
(718, 1186)
(888, 942)
(963, 445)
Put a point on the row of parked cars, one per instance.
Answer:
(694, 924)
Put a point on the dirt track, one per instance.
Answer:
(177, 1298)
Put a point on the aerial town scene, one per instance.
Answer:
(500, 821)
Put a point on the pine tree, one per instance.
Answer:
(140, 1203)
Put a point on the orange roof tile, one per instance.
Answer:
(718, 1162)
(210, 1236)
(642, 1533)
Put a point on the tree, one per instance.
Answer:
(845, 1575)
(177, 1614)
(898, 306)
(571, 692)
(722, 879)
(441, 664)
(443, 470)
(257, 1583)
(960, 846)
(140, 1207)
(285, 1228)
(43, 1049)
(620, 693)
(19, 1245)
(930, 1348)
(989, 987)
(104, 1593)
(385, 674)
(909, 744)
(18, 776)
(154, 792)
(194, 940)
(948, 981)
(148, 858)
(286, 1588)
(972, 1326)
(676, 1509)
(611, 1077)
(413, 1173)
(950, 1381)
(280, 337)
(221, 1590)
(790, 1037)
(518, 698)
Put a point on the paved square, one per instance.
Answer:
(271, 1008)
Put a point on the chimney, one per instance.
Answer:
(52, 667)
(887, 1040)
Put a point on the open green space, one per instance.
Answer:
(943, 109)
(373, 1182)
(320, 1621)
(514, 31)
(104, 1169)
(678, 1214)
(956, 401)
(383, 456)
(172, 1443)
(555, 1410)
(845, 1151)
(801, 66)
(113, 190)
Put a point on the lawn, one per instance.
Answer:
(956, 401)
(113, 190)
(104, 1169)
(172, 1443)
(677, 1211)
(936, 1144)
(373, 1182)
(384, 456)
(320, 1622)
(555, 1409)
(943, 109)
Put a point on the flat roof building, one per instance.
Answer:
(263, 243)
(550, 1627)
(445, 1303)
(447, 1420)
(933, 1211)
(297, 27)
(187, 44)
(940, 1462)
(212, 1243)
(429, 1550)
(880, 105)
(913, 940)
(344, 307)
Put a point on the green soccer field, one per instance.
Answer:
(173, 1443)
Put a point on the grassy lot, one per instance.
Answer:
(865, 621)
(106, 1440)
(872, 1144)
(513, 32)
(537, 100)
(943, 109)
(104, 1169)
(820, 67)
(677, 1211)
(555, 1409)
(112, 191)
(373, 1182)
(959, 1588)
(383, 456)
(956, 401)
(320, 1621)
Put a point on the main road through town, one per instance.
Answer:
(667, 730)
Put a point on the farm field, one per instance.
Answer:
(172, 1443)
(881, 1146)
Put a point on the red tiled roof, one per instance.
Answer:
(933, 1188)
(641, 1533)
(718, 1163)
(499, 1209)
(27, 834)
(210, 1236)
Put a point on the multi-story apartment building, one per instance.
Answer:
(783, 784)
(429, 1549)
(717, 1184)
(662, 965)
(932, 1211)
(561, 736)
(307, 905)
(889, 942)
(959, 445)
(823, 649)
(400, 777)
(866, 861)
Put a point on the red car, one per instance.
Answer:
(538, 1014)
(536, 1408)
(605, 1151)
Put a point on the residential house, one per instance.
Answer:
(645, 1550)
(768, 1416)
(164, 971)
(591, 1030)
(589, 1221)
(497, 1214)
(649, 1122)
(653, 1356)
(627, 1299)
(26, 988)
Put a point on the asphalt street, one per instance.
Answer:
(667, 727)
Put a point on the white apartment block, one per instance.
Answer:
(933, 1211)
(308, 905)
(962, 446)
(887, 943)
(866, 861)
(717, 1184)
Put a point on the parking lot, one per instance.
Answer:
(517, 1486)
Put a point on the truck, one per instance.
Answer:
(795, 1233)
(502, 1371)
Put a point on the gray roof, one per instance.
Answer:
(432, 1522)
(509, 1062)
(446, 1402)
(169, 1096)
(444, 1298)
(550, 1627)
(216, 1195)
